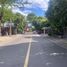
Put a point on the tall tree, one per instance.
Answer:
(31, 17)
(38, 21)
(3, 3)
(57, 15)
(20, 22)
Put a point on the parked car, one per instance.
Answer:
(40, 31)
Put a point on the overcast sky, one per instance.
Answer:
(38, 7)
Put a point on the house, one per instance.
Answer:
(8, 28)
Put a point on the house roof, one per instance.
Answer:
(7, 24)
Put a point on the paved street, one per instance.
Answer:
(37, 52)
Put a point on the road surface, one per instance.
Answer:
(38, 52)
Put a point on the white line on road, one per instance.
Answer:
(28, 54)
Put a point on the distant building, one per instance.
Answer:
(6, 28)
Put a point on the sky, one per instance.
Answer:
(37, 7)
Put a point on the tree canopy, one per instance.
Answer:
(3, 2)
(57, 15)
(38, 21)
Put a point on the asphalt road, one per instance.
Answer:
(13, 56)
(40, 52)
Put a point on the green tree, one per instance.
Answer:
(7, 15)
(17, 19)
(57, 15)
(38, 21)
(20, 22)
(31, 17)
(41, 22)
(2, 4)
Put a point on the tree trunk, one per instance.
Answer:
(10, 28)
(1, 16)
(10, 31)
(0, 27)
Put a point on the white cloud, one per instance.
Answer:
(25, 12)
(18, 11)
(28, 5)
(43, 4)
(40, 3)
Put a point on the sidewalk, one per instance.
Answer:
(20, 38)
(58, 41)
(13, 39)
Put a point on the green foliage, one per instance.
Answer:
(7, 15)
(31, 17)
(38, 22)
(3, 2)
(57, 15)
(18, 19)
(19, 22)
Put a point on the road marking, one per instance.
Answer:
(28, 54)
